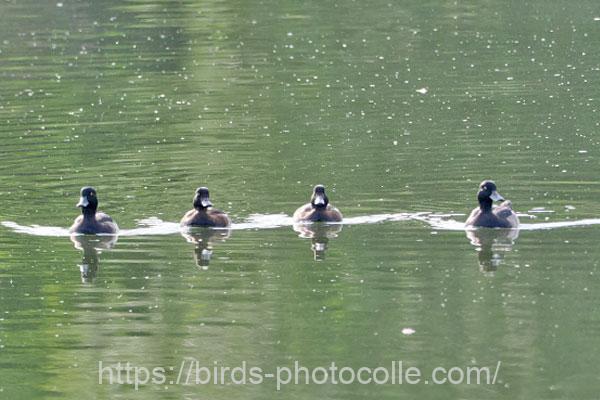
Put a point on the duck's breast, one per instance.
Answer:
(219, 219)
(332, 214)
(472, 220)
(303, 213)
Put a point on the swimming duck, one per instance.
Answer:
(318, 209)
(484, 216)
(91, 221)
(203, 214)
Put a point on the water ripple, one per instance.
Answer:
(156, 226)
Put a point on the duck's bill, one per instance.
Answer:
(496, 196)
(319, 200)
(206, 203)
(83, 202)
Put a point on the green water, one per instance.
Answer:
(397, 107)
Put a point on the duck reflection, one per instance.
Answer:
(319, 234)
(492, 244)
(91, 245)
(204, 238)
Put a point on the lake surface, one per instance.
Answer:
(399, 108)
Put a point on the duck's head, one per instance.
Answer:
(488, 192)
(319, 198)
(202, 199)
(88, 201)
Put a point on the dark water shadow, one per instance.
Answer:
(319, 234)
(204, 240)
(492, 245)
(92, 246)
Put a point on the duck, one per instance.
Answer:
(319, 209)
(485, 216)
(92, 221)
(203, 213)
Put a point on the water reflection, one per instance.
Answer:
(204, 239)
(91, 245)
(492, 244)
(319, 235)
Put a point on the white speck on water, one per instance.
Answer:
(582, 151)
(596, 18)
(408, 331)
(422, 90)
(59, 5)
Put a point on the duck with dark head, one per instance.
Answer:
(92, 221)
(319, 209)
(203, 213)
(485, 216)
